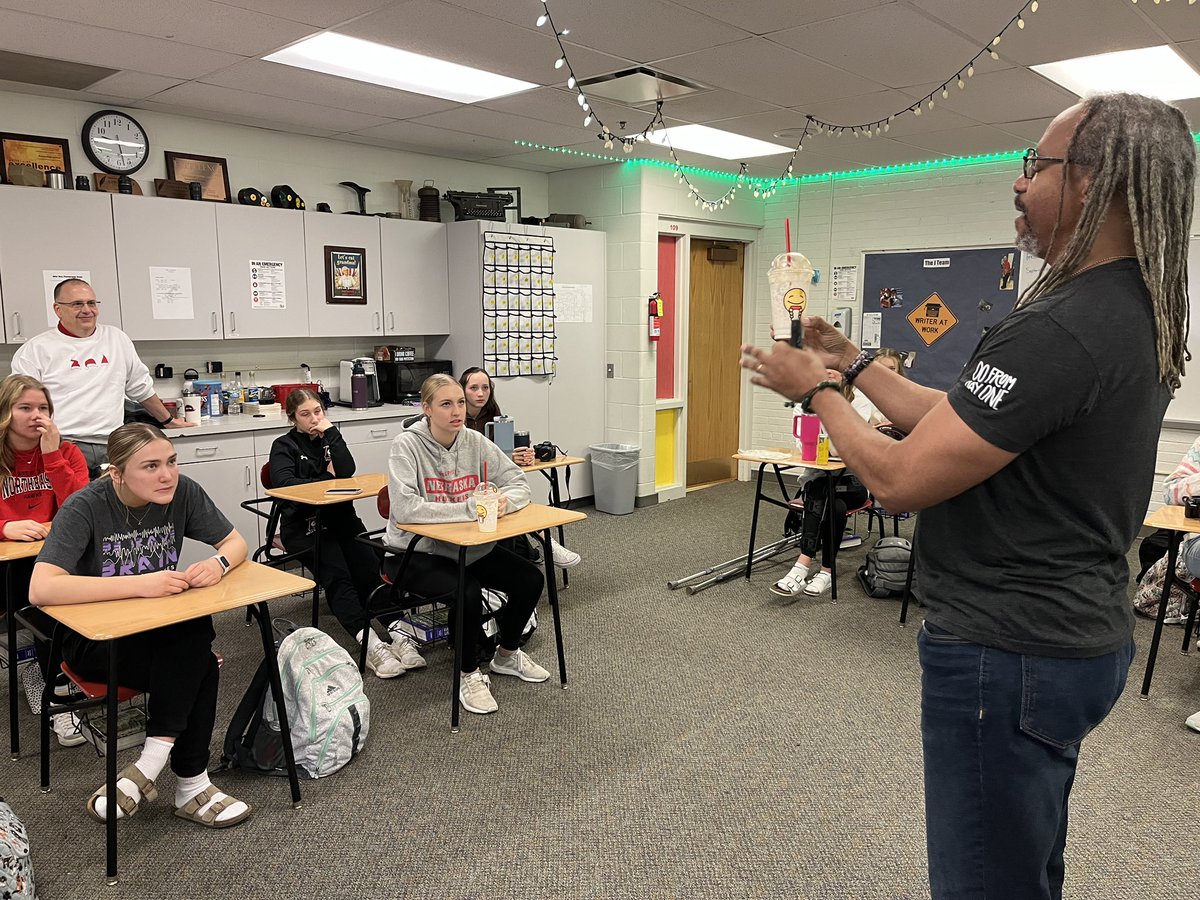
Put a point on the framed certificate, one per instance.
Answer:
(43, 153)
(211, 171)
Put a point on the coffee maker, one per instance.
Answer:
(344, 384)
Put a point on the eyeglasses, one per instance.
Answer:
(1030, 160)
(79, 304)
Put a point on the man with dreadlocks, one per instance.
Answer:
(1045, 452)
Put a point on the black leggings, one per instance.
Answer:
(848, 494)
(349, 571)
(436, 577)
(176, 666)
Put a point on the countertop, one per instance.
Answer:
(243, 424)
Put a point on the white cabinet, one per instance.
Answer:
(249, 234)
(416, 296)
(153, 234)
(224, 466)
(47, 231)
(323, 234)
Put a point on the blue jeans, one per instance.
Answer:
(1001, 734)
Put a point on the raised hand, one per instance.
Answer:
(51, 439)
(834, 348)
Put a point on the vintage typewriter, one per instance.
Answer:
(469, 205)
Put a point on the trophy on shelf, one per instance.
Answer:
(405, 188)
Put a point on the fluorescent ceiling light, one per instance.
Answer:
(1154, 71)
(715, 142)
(348, 57)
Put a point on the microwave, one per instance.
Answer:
(400, 382)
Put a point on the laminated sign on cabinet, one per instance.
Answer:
(264, 292)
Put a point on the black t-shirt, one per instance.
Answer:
(95, 534)
(1033, 559)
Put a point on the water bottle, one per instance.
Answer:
(358, 387)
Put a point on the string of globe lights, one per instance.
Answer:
(766, 187)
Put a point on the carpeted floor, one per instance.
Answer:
(723, 745)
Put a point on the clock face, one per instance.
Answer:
(115, 142)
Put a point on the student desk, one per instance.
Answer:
(10, 551)
(549, 469)
(1172, 519)
(317, 495)
(791, 460)
(249, 584)
(533, 518)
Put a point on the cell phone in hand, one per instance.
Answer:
(797, 338)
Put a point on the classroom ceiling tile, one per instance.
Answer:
(441, 141)
(711, 107)
(490, 123)
(231, 118)
(275, 111)
(559, 105)
(767, 16)
(1028, 130)
(969, 141)
(321, 13)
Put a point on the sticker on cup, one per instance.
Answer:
(487, 506)
(790, 278)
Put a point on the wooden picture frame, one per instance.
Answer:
(211, 171)
(45, 153)
(345, 275)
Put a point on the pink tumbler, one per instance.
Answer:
(807, 429)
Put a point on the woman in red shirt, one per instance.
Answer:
(38, 472)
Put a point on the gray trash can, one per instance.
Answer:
(614, 476)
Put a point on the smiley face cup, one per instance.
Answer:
(486, 501)
(790, 278)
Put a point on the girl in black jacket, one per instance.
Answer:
(314, 450)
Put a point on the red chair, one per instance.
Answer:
(272, 552)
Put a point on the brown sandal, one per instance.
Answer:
(191, 809)
(125, 803)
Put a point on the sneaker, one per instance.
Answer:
(66, 726)
(850, 541)
(564, 558)
(404, 649)
(475, 694)
(518, 664)
(818, 584)
(381, 661)
(1193, 721)
(792, 583)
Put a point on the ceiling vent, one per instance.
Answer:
(55, 73)
(634, 87)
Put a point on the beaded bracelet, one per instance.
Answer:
(855, 368)
(806, 400)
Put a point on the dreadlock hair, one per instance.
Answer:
(1140, 152)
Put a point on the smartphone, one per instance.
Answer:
(344, 491)
(797, 339)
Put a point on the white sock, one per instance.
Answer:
(153, 760)
(798, 572)
(187, 788)
(372, 638)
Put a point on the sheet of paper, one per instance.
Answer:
(872, 330)
(573, 302)
(845, 284)
(50, 279)
(171, 292)
(267, 284)
(1028, 273)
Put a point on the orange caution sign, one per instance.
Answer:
(932, 319)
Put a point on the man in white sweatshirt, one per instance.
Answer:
(89, 370)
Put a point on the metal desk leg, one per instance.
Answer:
(1172, 552)
(830, 509)
(754, 520)
(552, 592)
(908, 580)
(263, 614)
(317, 569)
(110, 760)
(556, 502)
(14, 737)
(460, 606)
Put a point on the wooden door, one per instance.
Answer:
(714, 344)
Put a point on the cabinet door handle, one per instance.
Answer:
(215, 323)
(16, 324)
(247, 468)
(232, 323)
(207, 451)
(378, 321)
(378, 432)
(391, 323)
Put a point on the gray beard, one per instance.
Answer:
(1028, 243)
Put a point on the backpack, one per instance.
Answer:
(1149, 592)
(886, 568)
(16, 867)
(328, 714)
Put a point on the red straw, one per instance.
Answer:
(485, 474)
(787, 232)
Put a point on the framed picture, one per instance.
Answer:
(211, 171)
(346, 275)
(43, 153)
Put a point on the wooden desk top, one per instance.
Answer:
(316, 493)
(534, 517)
(10, 550)
(557, 463)
(791, 461)
(1172, 517)
(248, 583)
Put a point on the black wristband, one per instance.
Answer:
(855, 368)
(167, 421)
(806, 400)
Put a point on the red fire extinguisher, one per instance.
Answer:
(655, 316)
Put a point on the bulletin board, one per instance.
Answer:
(936, 305)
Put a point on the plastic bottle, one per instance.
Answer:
(250, 391)
(358, 387)
(235, 388)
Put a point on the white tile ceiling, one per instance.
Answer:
(764, 66)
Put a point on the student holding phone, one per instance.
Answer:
(314, 450)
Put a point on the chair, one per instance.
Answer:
(875, 510)
(272, 552)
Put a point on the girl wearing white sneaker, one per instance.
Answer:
(483, 408)
(848, 494)
(435, 466)
(120, 538)
(314, 450)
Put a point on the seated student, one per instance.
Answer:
(119, 538)
(1185, 482)
(849, 493)
(314, 450)
(435, 466)
(891, 359)
(39, 471)
(483, 408)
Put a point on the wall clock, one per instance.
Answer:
(115, 142)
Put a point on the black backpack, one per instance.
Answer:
(886, 568)
(251, 743)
